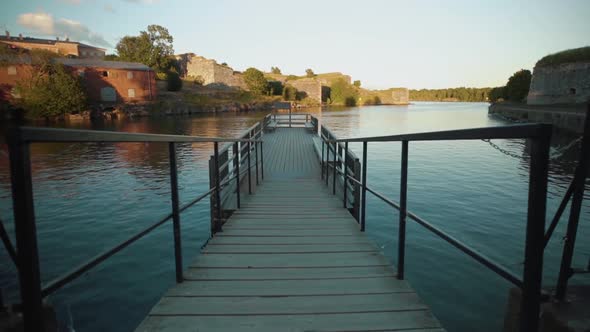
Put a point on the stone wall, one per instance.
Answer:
(310, 86)
(567, 83)
(393, 96)
(209, 70)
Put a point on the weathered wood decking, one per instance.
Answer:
(291, 259)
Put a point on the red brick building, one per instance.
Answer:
(106, 82)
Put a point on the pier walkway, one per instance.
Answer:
(292, 258)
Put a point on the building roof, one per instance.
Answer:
(43, 41)
(103, 64)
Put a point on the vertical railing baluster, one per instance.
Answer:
(237, 148)
(535, 228)
(364, 193)
(345, 170)
(322, 160)
(175, 209)
(334, 169)
(578, 186)
(26, 232)
(262, 159)
(249, 168)
(403, 211)
(256, 157)
(218, 187)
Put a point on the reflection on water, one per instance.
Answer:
(91, 196)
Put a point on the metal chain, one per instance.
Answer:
(553, 155)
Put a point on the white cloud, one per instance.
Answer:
(44, 24)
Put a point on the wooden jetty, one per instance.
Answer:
(288, 250)
(292, 258)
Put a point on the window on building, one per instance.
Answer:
(105, 73)
(131, 93)
(129, 74)
(83, 53)
(11, 70)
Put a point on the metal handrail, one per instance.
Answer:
(539, 134)
(26, 255)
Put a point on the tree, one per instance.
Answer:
(275, 88)
(152, 47)
(357, 83)
(275, 70)
(111, 57)
(497, 94)
(51, 90)
(255, 81)
(309, 72)
(518, 85)
(343, 93)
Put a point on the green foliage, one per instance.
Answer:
(224, 64)
(309, 72)
(275, 70)
(497, 94)
(290, 93)
(51, 91)
(152, 48)
(581, 54)
(452, 94)
(174, 83)
(255, 81)
(275, 88)
(111, 57)
(292, 77)
(357, 83)
(161, 76)
(518, 85)
(343, 93)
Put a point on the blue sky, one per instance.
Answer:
(416, 44)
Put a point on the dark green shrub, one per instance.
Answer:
(255, 81)
(518, 85)
(174, 81)
(289, 93)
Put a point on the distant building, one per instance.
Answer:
(209, 71)
(106, 82)
(63, 47)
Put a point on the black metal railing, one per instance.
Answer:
(539, 136)
(26, 254)
(291, 120)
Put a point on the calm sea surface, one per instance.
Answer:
(89, 197)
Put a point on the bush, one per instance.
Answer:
(357, 83)
(255, 81)
(309, 73)
(161, 76)
(275, 70)
(290, 93)
(581, 54)
(53, 91)
(518, 85)
(350, 101)
(174, 82)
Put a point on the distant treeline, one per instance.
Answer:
(454, 94)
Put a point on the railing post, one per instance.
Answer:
(356, 205)
(345, 170)
(26, 232)
(364, 199)
(262, 159)
(175, 213)
(322, 160)
(535, 228)
(334, 169)
(256, 157)
(403, 196)
(249, 169)
(217, 187)
(327, 161)
(237, 161)
(565, 271)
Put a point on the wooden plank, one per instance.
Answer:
(288, 305)
(278, 233)
(378, 321)
(196, 273)
(280, 249)
(290, 287)
(290, 260)
(223, 240)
